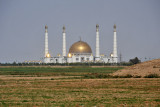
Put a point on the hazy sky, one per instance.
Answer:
(22, 24)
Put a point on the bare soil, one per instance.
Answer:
(141, 69)
(30, 77)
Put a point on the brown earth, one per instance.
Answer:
(30, 77)
(141, 69)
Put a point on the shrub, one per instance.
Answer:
(124, 76)
(89, 76)
(100, 76)
(95, 75)
(137, 76)
(103, 76)
(152, 76)
(52, 78)
(116, 76)
(135, 60)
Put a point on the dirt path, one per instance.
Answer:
(32, 77)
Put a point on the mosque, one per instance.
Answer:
(80, 51)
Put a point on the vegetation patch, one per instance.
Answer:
(97, 75)
(49, 71)
(152, 76)
(157, 100)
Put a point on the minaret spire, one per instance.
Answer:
(97, 43)
(46, 28)
(64, 29)
(114, 27)
(115, 56)
(64, 42)
(97, 28)
(47, 56)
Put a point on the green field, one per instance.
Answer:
(51, 71)
(68, 87)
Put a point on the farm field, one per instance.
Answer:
(68, 87)
(51, 71)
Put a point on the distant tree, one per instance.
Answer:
(14, 63)
(134, 60)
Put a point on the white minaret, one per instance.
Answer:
(97, 42)
(64, 42)
(115, 56)
(46, 41)
(47, 56)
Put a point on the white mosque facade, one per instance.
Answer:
(81, 52)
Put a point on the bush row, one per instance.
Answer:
(152, 76)
(65, 64)
(126, 76)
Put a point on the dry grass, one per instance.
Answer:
(78, 92)
(38, 87)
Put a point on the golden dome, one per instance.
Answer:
(80, 47)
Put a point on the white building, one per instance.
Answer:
(81, 52)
